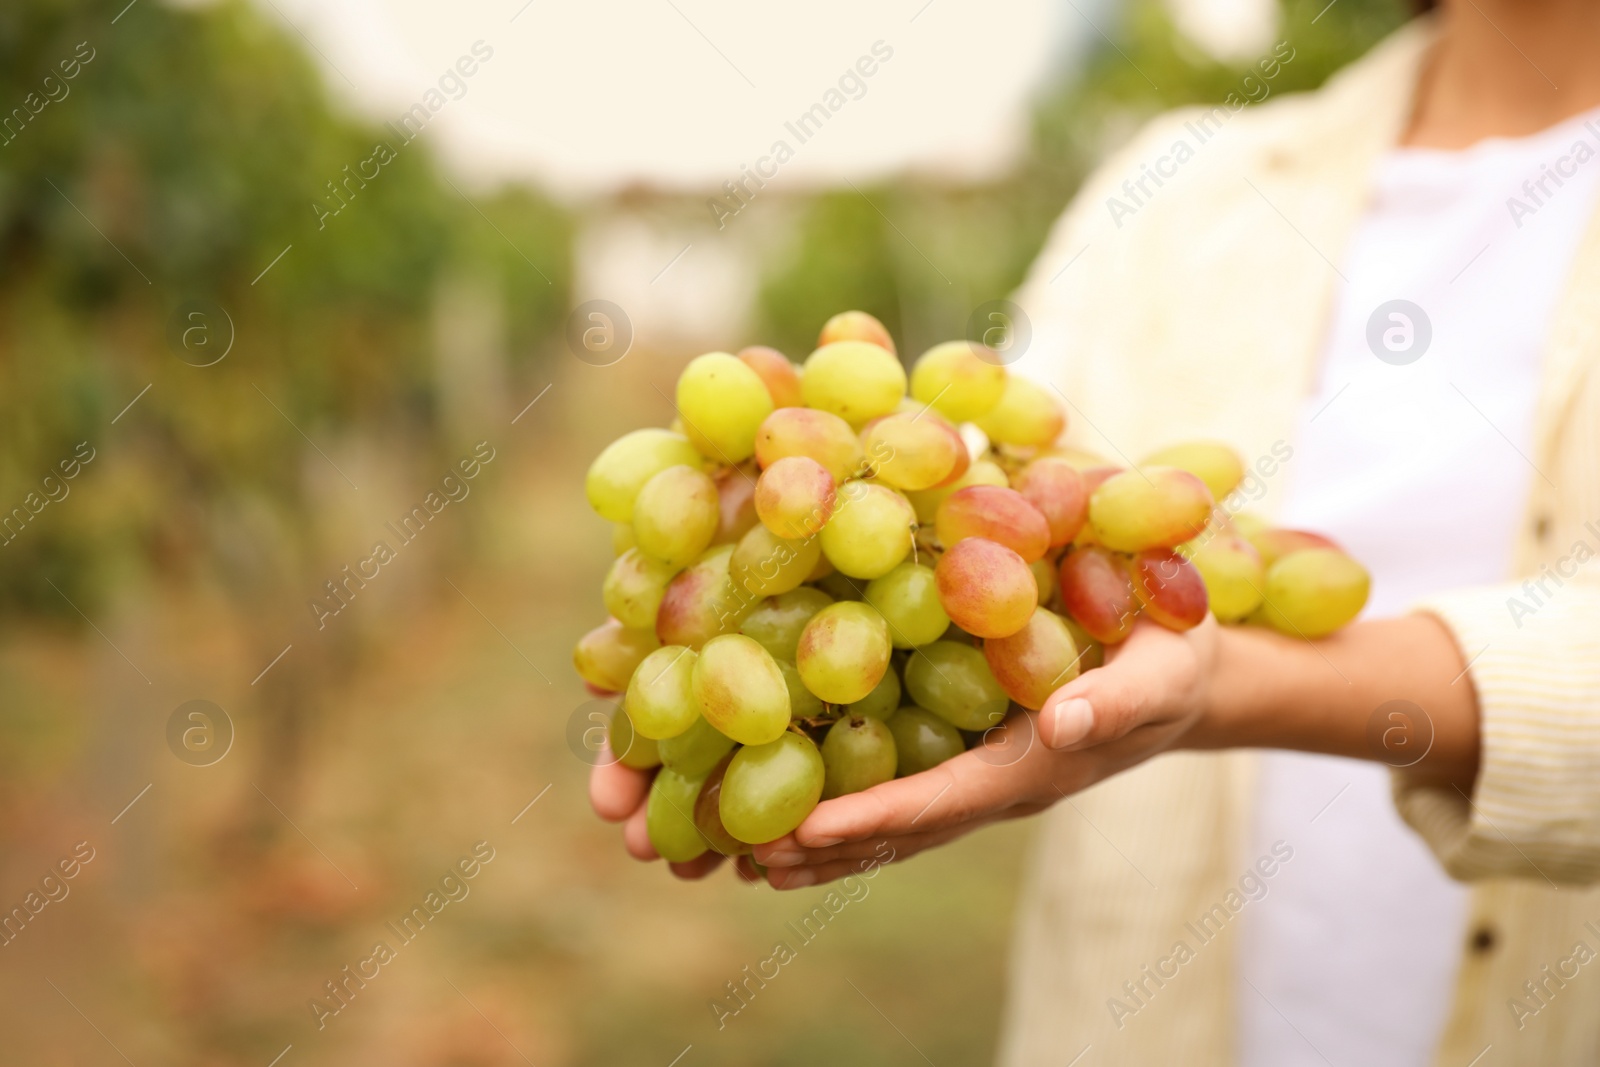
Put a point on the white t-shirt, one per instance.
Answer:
(1419, 464)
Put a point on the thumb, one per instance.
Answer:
(1106, 703)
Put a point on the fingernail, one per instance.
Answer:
(823, 842)
(785, 859)
(799, 879)
(1073, 718)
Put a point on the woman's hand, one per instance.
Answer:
(1206, 688)
(1153, 689)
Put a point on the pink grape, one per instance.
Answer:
(736, 503)
(986, 588)
(855, 326)
(1275, 543)
(701, 602)
(778, 374)
(1002, 515)
(606, 656)
(817, 435)
(1035, 661)
(1097, 592)
(1055, 487)
(1169, 587)
(795, 497)
(708, 812)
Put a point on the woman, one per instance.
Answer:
(1389, 290)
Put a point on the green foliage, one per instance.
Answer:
(180, 160)
(950, 249)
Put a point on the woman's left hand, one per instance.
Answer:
(1153, 689)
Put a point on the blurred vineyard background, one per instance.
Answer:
(371, 754)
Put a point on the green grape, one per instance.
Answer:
(922, 740)
(954, 682)
(617, 474)
(855, 380)
(606, 656)
(628, 747)
(908, 599)
(660, 698)
(955, 379)
(765, 564)
(1044, 576)
(708, 812)
(1213, 462)
(857, 753)
(843, 652)
(882, 702)
(870, 532)
(769, 789)
(1093, 652)
(1313, 592)
(803, 703)
(1232, 571)
(911, 453)
(741, 690)
(1026, 415)
(1158, 507)
(722, 402)
(777, 621)
(621, 537)
(634, 587)
(675, 515)
(695, 751)
(669, 817)
(842, 586)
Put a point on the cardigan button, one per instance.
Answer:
(1541, 528)
(1483, 939)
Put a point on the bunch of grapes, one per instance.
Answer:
(822, 583)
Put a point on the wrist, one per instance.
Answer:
(1225, 693)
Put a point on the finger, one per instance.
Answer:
(1132, 689)
(972, 785)
(636, 837)
(748, 872)
(615, 791)
(697, 868)
(872, 851)
(901, 849)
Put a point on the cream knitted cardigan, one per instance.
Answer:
(1201, 313)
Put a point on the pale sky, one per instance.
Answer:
(590, 97)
